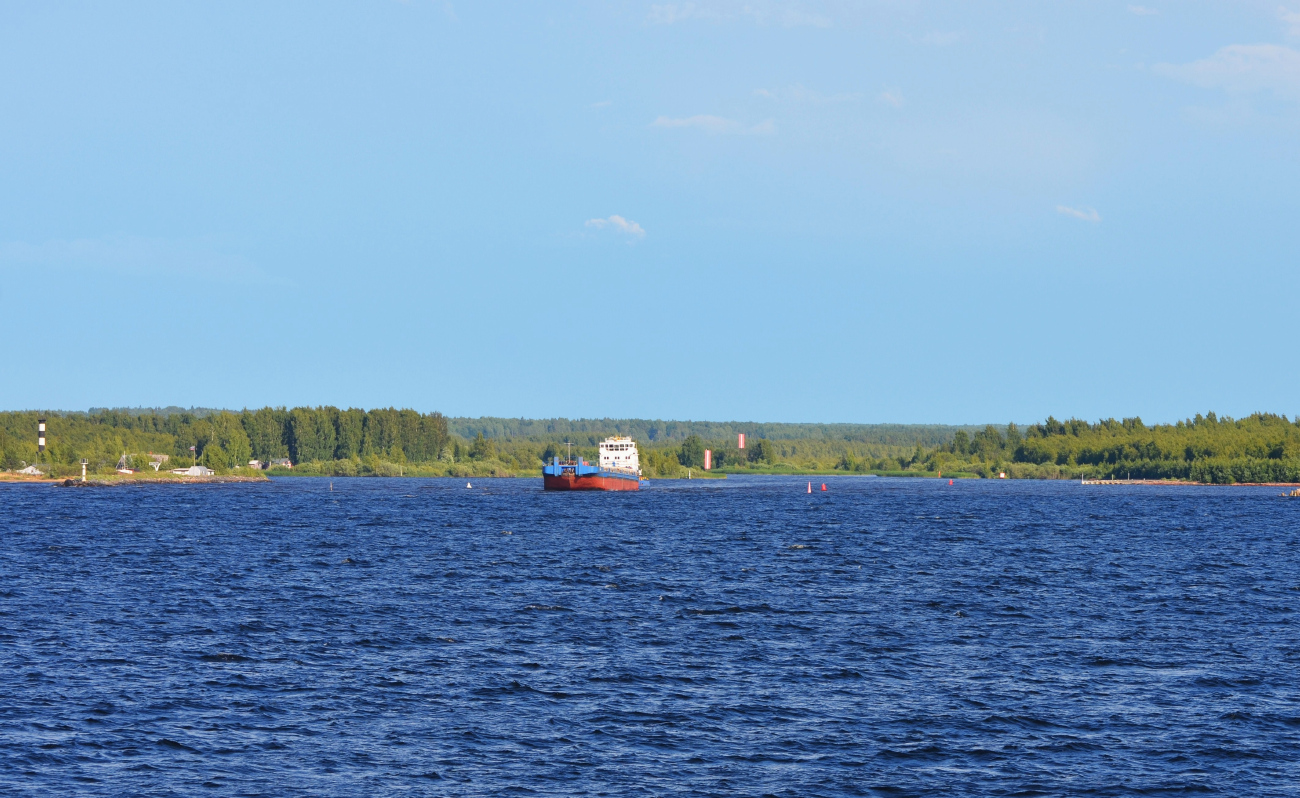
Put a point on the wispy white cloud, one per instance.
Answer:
(618, 224)
(706, 122)
(1243, 68)
(938, 38)
(1291, 19)
(892, 97)
(716, 125)
(762, 12)
(132, 255)
(1142, 11)
(668, 13)
(602, 104)
(798, 94)
(793, 18)
(1086, 214)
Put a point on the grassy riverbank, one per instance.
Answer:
(102, 480)
(466, 469)
(784, 469)
(327, 441)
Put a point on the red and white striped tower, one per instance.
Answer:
(740, 442)
(708, 459)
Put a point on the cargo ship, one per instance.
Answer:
(618, 469)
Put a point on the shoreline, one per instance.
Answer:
(131, 481)
(172, 479)
(122, 481)
(1183, 483)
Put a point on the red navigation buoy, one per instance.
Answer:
(950, 482)
(823, 486)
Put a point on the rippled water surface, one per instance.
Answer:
(414, 637)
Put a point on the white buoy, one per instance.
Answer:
(810, 487)
(468, 485)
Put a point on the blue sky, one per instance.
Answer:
(804, 211)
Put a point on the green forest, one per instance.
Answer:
(328, 441)
(658, 431)
(1262, 447)
(323, 440)
(1259, 448)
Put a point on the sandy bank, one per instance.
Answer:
(110, 482)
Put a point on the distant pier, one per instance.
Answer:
(1134, 482)
(1188, 483)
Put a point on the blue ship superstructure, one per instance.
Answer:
(577, 468)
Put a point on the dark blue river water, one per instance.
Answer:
(887, 637)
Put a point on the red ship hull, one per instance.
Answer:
(588, 482)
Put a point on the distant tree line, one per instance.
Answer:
(658, 431)
(333, 441)
(326, 440)
(225, 440)
(763, 455)
(1262, 447)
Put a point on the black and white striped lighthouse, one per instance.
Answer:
(40, 435)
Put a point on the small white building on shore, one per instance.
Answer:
(193, 471)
